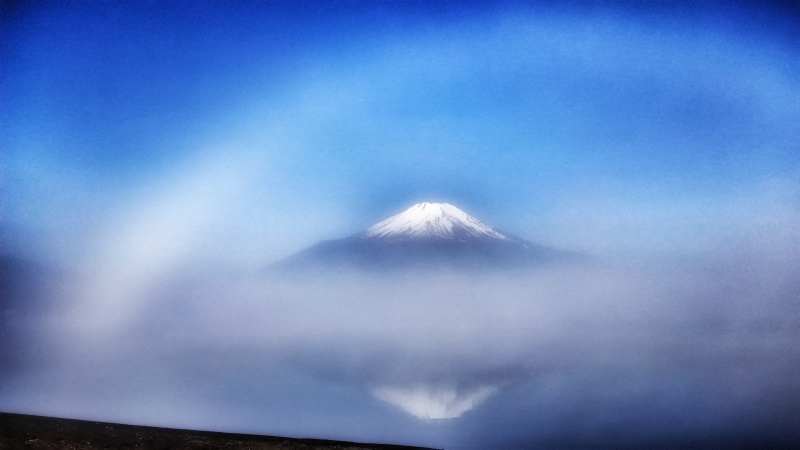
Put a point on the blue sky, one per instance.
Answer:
(245, 132)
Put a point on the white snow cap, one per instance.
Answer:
(426, 219)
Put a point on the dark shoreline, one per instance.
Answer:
(18, 431)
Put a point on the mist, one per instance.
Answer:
(634, 348)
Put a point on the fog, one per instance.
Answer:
(695, 346)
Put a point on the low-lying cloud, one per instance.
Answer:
(618, 349)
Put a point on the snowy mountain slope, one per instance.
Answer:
(441, 220)
(426, 235)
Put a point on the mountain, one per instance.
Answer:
(425, 235)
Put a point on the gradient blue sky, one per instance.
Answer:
(241, 132)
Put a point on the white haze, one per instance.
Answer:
(689, 340)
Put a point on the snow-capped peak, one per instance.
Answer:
(426, 220)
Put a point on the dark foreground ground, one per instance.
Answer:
(19, 431)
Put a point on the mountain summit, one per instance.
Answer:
(432, 220)
(425, 235)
